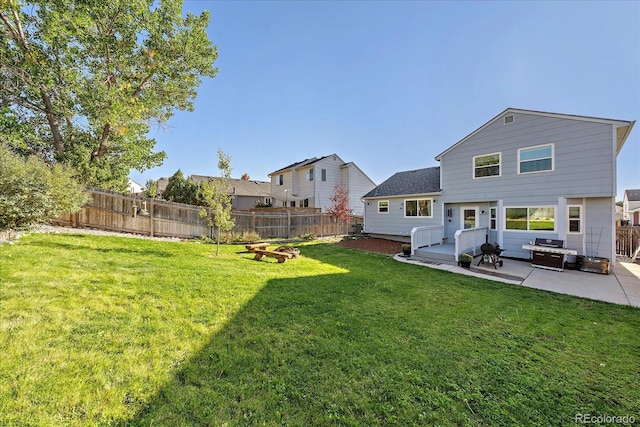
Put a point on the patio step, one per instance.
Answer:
(441, 254)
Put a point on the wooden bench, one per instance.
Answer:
(281, 256)
(254, 246)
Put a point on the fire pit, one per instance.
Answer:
(295, 252)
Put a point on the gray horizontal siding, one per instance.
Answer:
(395, 222)
(583, 160)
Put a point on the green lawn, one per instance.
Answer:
(118, 331)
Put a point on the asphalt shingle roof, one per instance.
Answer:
(420, 181)
(633, 195)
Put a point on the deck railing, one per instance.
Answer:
(426, 236)
(469, 240)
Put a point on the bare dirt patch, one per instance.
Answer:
(372, 244)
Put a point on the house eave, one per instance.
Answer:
(404, 196)
(613, 122)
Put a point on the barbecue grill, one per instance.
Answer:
(491, 254)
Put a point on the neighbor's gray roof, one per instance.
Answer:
(633, 195)
(421, 181)
(305, 162)
(240, 187)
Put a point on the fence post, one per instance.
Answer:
(151, 225)
(253, 222)
(288, 224)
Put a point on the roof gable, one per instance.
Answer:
(420, 181)
(632, 195)
(623, 127)
(304, 163)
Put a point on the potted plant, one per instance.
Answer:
(465, 260)
(406, 249)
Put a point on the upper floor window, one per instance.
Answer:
(418, 208)
(309, 174)
(323, 174)
(535, 159)
(486, 165)
(383, 206)
(280, 179)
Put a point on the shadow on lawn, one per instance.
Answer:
(303, 351)
(352, 349)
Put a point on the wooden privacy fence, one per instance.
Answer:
(159, 218)
(627, 240)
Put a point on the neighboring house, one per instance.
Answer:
(311, 182)
(246, 192)
(522, 175)
(631, 207)
(134, 187)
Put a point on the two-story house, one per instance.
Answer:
(631, 207)
(522, 175)
(311, 182)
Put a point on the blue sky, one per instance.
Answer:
(389, 85)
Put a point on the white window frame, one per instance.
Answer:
(383, 212)
(474, 167)
(528, 230)
(280, 179)
(308, 174)
(553, 158)
(323, 173)
(493, 218)
(404, 208)
(579, 219)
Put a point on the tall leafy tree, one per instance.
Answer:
(216, 196)
(180, 189)
(91, 77)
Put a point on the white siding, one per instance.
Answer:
(358, 184)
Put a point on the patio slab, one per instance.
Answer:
(620, 287)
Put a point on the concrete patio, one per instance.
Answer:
(620, 287)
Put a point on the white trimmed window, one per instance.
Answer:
(486, 165)
(530, 219)
(323, 173)
(575, 219)
(493, 218)
(418, 208)
(280, 180)
(309, 174)
(535, 159)
(383, 206)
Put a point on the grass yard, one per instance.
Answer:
(119, 331)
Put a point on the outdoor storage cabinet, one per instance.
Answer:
(548, 259)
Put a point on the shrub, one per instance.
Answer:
(32, 191)
(465, 258)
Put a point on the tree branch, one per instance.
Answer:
(53, 121)
(102, 148)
